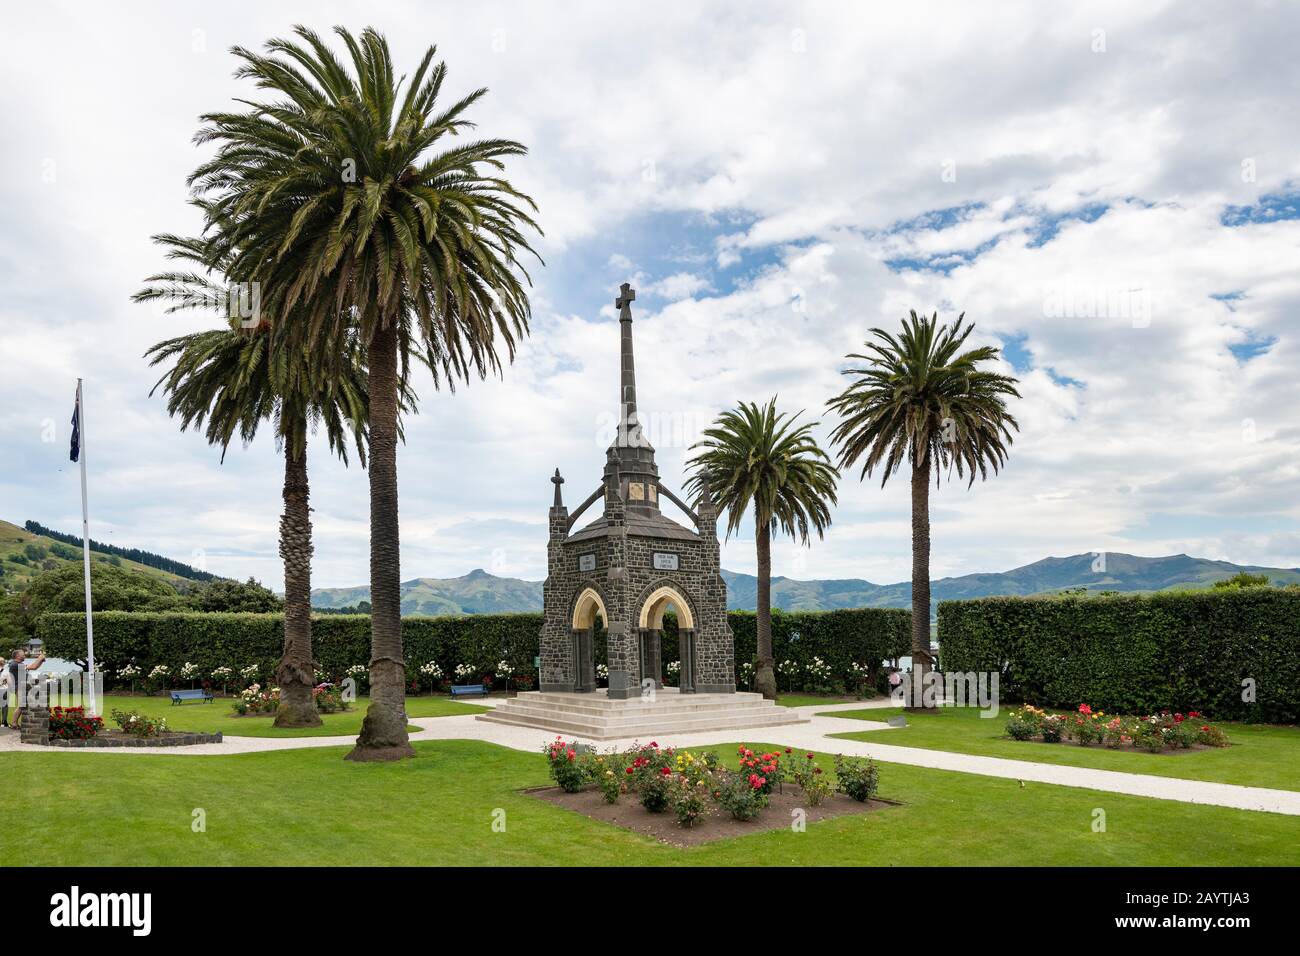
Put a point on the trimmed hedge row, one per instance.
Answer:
(1134, 653)
(840, 638)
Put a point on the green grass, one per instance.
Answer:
(1260, 755)
(810, 700)
(310, 807)
(218, 715)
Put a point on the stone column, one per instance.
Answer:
(652, 655)
(584, 661)
(686, 649)
(714, 645)
(556, 644)
(34, 725)
(624, 654)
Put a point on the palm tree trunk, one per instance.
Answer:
(921, 660)
(764, 674)
(297, 673)
(383, 733)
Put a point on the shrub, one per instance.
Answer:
(1021, 726)
(652, 789)
(650, 772)
(741, 795)
(689, 800)
(254, 700)
(611, 786)
(1137, 653)
(856, 776)
(765, 768)
(329, 700)
(137, 724)
(159, 677)
(567, 771)
(694, 768)
(73, 723)
(803, 770)
(1211, 736)
(1116, 735)
(1086, 727)
(1149, 738)
(342, 641)
(1052, 728)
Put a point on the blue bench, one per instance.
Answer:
(468, 690)
(180, 696)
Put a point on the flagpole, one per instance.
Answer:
(85, 555)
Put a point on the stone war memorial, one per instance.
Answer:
(624, 569)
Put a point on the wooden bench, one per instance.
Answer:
(180, 696)
(468, 690)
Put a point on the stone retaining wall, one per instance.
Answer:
(35, 729)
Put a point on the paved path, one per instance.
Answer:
(809, 736)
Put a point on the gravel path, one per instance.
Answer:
(809, 736)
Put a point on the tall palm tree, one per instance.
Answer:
(754, 456)
(341, 196)
(231, 378)
(919, 398)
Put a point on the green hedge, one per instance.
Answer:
(1133, 654)
(237, 640)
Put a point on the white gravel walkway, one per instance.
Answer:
(810, 736)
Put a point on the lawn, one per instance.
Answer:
(440, 807)
(219, 716)
(811, 700)
(1260, 756)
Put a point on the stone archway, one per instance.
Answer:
(588, 605)
(650, 622)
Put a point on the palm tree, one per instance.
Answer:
(753, 455)
(340, 197)
(921, 399)
(231, 378)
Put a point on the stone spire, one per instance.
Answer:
(557, 481)
(629, 429)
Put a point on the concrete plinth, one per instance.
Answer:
(598, 716)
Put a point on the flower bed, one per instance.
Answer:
(1154, 733)
(682, 793)
(256, 702)
(73, 723)
(72, 727)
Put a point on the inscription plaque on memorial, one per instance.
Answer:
(665, 561)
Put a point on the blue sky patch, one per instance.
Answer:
(1272, 207)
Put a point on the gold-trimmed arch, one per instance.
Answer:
(585, 608)
(652, 609)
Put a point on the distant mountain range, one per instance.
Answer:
(482, 593)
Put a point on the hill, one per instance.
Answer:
(475, 593)
(481, 593)
(24, 554)
(1123, 572)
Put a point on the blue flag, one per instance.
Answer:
(76, 429)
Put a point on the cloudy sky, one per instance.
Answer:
(1110, 191)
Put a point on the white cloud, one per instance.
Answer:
(795, 141)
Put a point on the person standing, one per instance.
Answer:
(16, 671)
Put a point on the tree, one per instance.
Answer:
(112, 589)
(235, 379)
(919, 398)
(755, 456)
(340, 199)
(248, 597)
(1244, 579)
